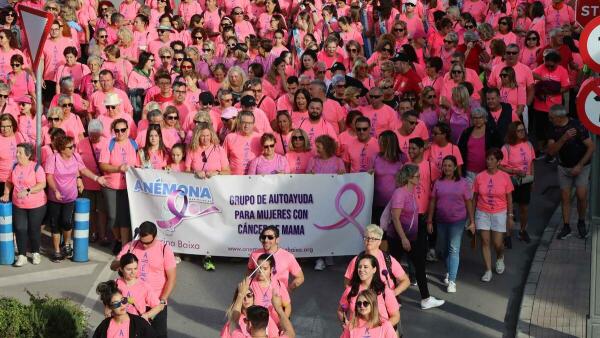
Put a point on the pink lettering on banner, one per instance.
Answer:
(347, 218)
(180, 215)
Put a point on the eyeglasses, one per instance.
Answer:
(200, 37)
(298, 138)
(269, 146)
(362, 129)
(363, 303)
(15, 64)
(469, 26)
(264, 237)
(431, 97)
(503, 23)
(110, 107)
(178, 59)
(6, 126)
(511, 53)
(95, 81)
(118, 304)
(457, 72)
(164, 83)
(238, 13)
(398, 30)
(4, 96)
(186, 67)
(412, 123)
(367, 239)
(172, 117)
(53, 119)
(375, 96)
(532, 38)
(102, 36)
(352, 50)
(67, 105)
(120, 130)
(70, 147)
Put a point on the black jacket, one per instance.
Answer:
(491, 140)
(504, 120)
(138, 328)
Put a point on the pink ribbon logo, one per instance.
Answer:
(347, 218)
(184, 213)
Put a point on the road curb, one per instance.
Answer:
(535, 270)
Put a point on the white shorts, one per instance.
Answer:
(487, 221)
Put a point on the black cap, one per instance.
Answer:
(401, 57)
(206, 98)
(241, 46)
(337, 66)
(248, 101)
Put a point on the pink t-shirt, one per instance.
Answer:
(519, 157)
(122, 153)
(332, 165)
(298, 161)
(85, 151)
(5, 67)
(153, 263)
(382, 119)
(53, 55)
(361, 156)
(387, 305)
(108, 120)
(140, 293)
(437, 154)
(561, 75)
(158, 160)
(65, 172)
(27, 128)
(315, 130)
(491, 191)
(429, 173)
(397, 269)
(23, 178)
(385, 180)
(406, 200)
(263, 166)
(77, 72)
(333, 112)
(21, 83)
(8, 155)
(263, 295)
(285, 263)
(386, 330)
(241, 149)
(477, 8)
(116, 330)
(450, 199)
(216, 159)
(523, 74)
(514, 96)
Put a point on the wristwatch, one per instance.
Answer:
(163, 302)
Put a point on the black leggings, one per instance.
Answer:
(60, 216)
(27, 226)
(416, 255)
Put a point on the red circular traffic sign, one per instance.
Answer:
(588, 106)
(590, 44)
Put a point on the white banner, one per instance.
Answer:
(317, 215)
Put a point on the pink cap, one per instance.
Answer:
(24, 99)
(419, 34)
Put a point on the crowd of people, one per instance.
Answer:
(447, 103)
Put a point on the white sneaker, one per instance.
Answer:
(487, 276)
(20, 261)
(446, 280)
(451, 287)
(431, 256)
(431, 302)
(500, 265)
(329, 261)
(36, 258)
(320, 264)
(177, 259)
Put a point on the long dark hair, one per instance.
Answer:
(377, 284)
(455, 174)
(161, 144)
(143, 59)
(107, 290)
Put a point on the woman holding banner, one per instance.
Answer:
(115, 160)
(205, 157)
(299, 152)
(269, 162)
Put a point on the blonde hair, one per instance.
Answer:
(227, 83)
(373, 319)
(405, 174)
(195, 142)
(374, 229)
(54, 111)
(461, 97)
(125, 35)
(306, 140)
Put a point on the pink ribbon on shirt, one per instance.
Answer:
(347, 218)
(184, 213)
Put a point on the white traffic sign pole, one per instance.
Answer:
(39, 111)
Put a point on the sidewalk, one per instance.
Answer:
(556, 296)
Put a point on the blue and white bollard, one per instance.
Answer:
(81, 231)
(7, 245)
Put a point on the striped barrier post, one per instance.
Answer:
(7, 246)
(82, 230)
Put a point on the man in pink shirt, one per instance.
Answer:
(107, 83)
(262, 124)
(315, 125)
(284, 102)
(244, 145)
(523, 73)
(263, 102)
(332, 111)
(53, 58)
(382, 116)
(156, 267)
(408, 130)
(179, 101)
(285, 262)
(360, 152)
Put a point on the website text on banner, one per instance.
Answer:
(317, 215)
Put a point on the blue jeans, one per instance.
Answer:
(450, 236)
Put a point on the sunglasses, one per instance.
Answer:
(186, 67)
(179, 59)
(532, 38)
(363, 303)
(162, 31)
(269, 146)
(431, 97)
(298, 138)
(385, 87)
(206, 123)
(503, 23)
(95, 81)
(448, 41)
(10, 14)
(165, 57)
(199, 37)
(118, 304)
(362, 129)
(53, 119)
(70, 147)
(102, 36)
(22, 104)
(469, 26)
(264, 237)
(409, 5)
(67, 105)
(120, 130)
(375, 96)
(398, 29)
(412, 123)
(352, 50)
(172, 117)
(457, 72)
(511, 53)
(238, 13)
(110, 107)
(4, 96)
(15, 64)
